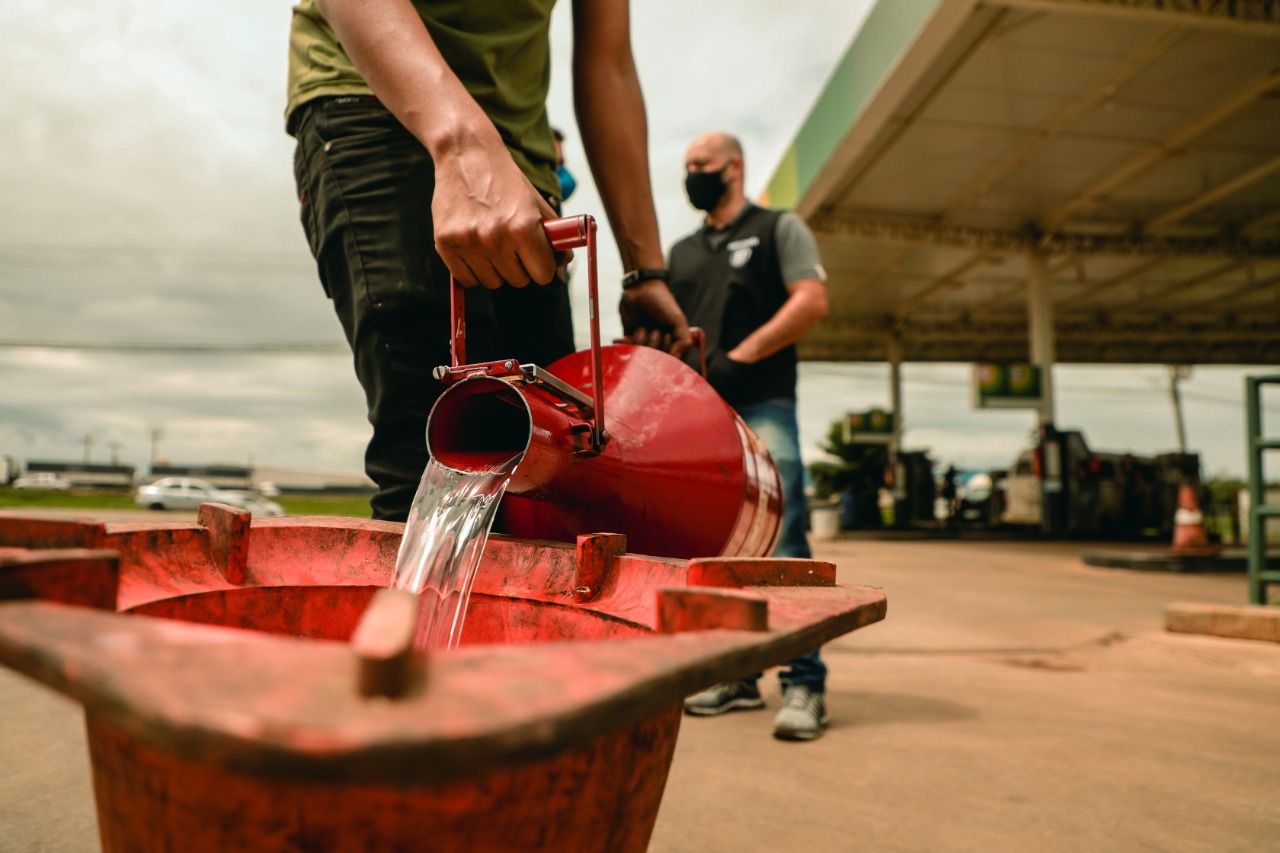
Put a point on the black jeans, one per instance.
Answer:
(365, 186)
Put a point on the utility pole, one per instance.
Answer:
(1177, 373)
(156, 433)
(88, 443)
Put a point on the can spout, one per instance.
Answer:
(484, 423)
(478, 425)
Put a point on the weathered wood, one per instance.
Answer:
(705, 609)
(600, 796)
(596, 555)
(558, 739)
(27, 531)
(760, 571)
(228, 538)
(78, 576)
(387, 664)
(279, 706)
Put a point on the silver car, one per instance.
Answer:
(42, 480)
(188, 493)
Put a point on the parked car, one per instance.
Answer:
(47, 480)
(257, 504)
(188, 493)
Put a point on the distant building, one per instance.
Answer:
(223, 476)
(88, 475)
(269, 479)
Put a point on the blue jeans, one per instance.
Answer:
(774, 420)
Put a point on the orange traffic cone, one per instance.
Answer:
(1189, 536)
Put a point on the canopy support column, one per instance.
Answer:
(1053, 482)
(894, 347)
(1040, 331)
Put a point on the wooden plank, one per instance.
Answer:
(383, 643)
(706, 609)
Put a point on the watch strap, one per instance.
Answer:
(634, 278)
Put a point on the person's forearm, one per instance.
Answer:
(486, 215)
(611, 121)
(394, 52)
(802, 310)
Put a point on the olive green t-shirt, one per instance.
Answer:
(499, 49)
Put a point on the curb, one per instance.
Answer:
(1251, 622)
(1158, 562)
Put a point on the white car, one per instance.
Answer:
(46, 480)
(188, 493)
(256, 504)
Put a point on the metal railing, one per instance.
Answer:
(1259, 510)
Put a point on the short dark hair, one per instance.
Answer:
(557, 133)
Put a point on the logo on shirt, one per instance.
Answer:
(740, 251)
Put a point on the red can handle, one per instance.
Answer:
(568, 233)
(571, 232)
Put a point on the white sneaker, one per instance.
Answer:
(803, 715)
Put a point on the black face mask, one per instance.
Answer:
(705, 189)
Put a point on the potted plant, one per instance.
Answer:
(824, 509)
(853, 476)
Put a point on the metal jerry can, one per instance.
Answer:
(621, 438)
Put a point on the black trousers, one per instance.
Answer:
(365, 186)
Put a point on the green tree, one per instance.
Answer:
(859, 472)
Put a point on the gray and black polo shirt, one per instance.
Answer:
(732, 280)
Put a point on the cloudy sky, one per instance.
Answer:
(156, 291)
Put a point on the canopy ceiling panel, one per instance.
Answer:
(1134, 144)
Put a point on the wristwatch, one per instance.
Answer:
(637, 277)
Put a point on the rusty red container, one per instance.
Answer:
(219, 686)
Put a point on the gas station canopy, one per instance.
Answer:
(1100, 175)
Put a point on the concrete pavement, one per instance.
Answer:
(1014, 699)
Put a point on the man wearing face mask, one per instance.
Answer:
(752, 279)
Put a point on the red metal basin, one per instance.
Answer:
(552, 728)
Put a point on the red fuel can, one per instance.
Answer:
(623, 438)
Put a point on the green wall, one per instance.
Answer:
(884, 37)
